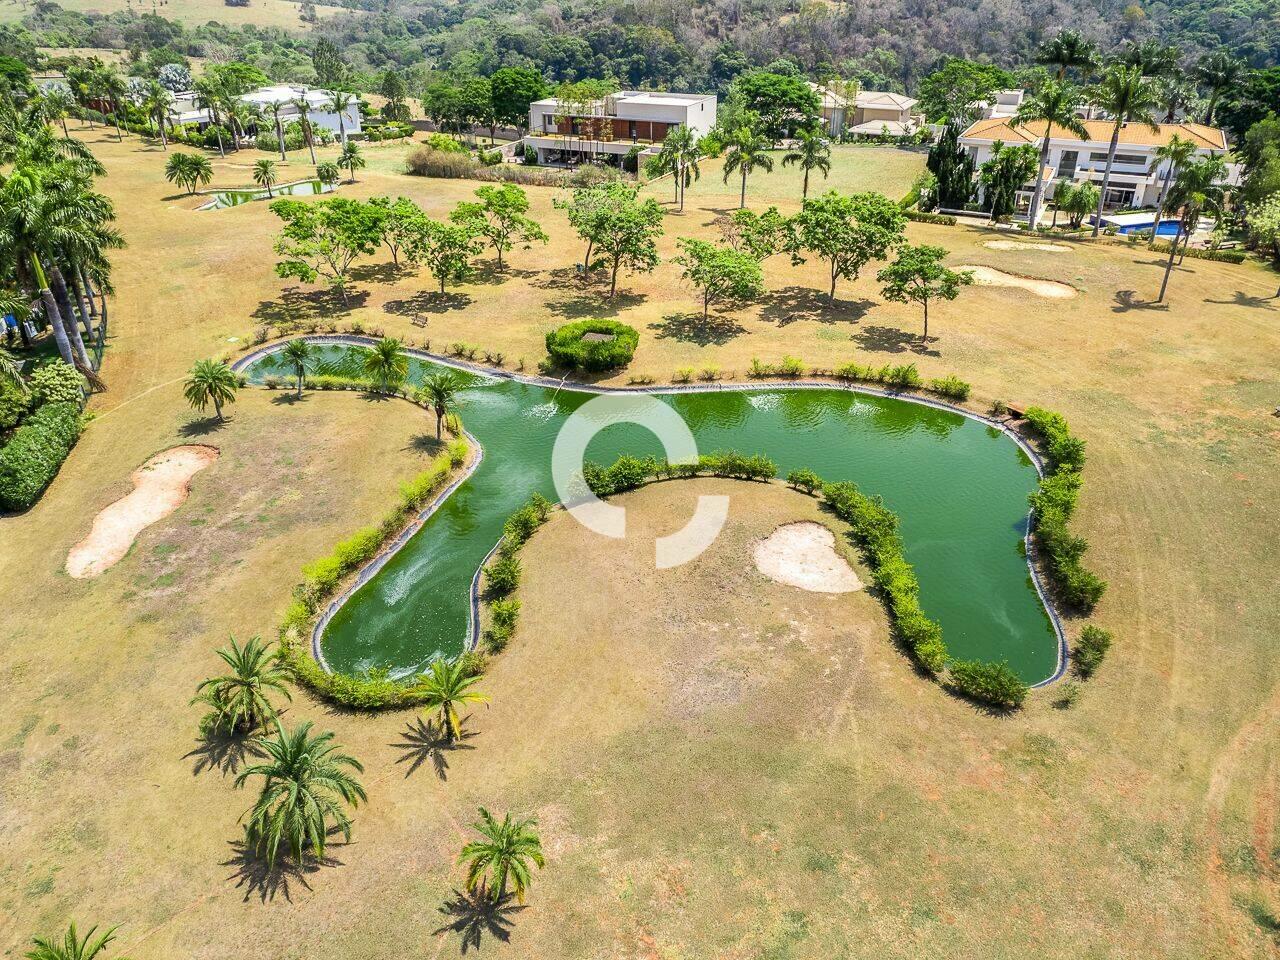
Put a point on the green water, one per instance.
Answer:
(234, 198)
(959, 487)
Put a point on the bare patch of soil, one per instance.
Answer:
(803, 555)
(1023, 245)
(1049, 289)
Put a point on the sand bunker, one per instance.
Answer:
(803, 555)
(159, 487)
(991, 277)
(1023, 245)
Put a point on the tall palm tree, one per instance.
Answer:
(1199, 188)
(748, 151)
(503, 856)
(688, 151)
(1055, 105)
(239, 699)
(303, 106)
(210, 92)
(1217, 72)
(446, 686)
(340, 101)
(188, 170)
(306, 782)
(56, 104)
(274, 109)
(239, 116)
(1173, 94)
(1127, 97)
(1068, 49)
(210, 381)
(351, 158)
(72, 945)
(441, 392)
(298, 354)
(1173, 156)
(112, 86)
(811, 153)
(385, 363)
(157, 104)
(1151, 56)
(264, 174)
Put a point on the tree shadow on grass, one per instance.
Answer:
(694, 328)
(376, 273)
(222, 752)
(424, 741)
(1242, 299)
(427, 301)
(1126, 300)
(488, 272)
(474, 914)
(257, 878)
(881, 339)
(562, 277)
(426, 443)
(295, 305)
(289, 397)
(593, 305)
(806, 303)
(201, 427)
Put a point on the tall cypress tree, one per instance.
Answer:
(953, 166)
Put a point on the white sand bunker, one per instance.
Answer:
(1023, 245)
(159, 487)
(991, 277)
(803, 555)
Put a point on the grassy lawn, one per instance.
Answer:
(259, 13)
(722, 767)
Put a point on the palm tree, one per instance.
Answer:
(688, 151)
(299, 355)
(811, 153)
(210, 381)
(303, 106)
(112, 86)
(1151, 56)
(328, 173)
(56, 105)
(306, 783)
(340, 101)
(1173, 155)
(157, 104)
(1127, 97)
(1173, 94)
(1217, 72)
(385, 363)
(11, 370)
(1054, 105)
(264, 174)
(274, 109)
(239, 116)
(351, 159)
(441, 392)
(72, 946)
(1198, 188)
(1068, 49)
(239, 699)
(748, 150)
(188, 170)
(503, 856)
(446, 686)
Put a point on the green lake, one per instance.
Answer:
(222, 199)
(959, 486)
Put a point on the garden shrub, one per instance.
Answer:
(992, 683)
(904, 377)
(790, 367)
(56, 382)
(1090, 650)
(943, 219)
(759, 369)
(1063, 448)
(805, 480)
(1195, 253)
(568, 348)
(951, 387)
(503, 574)
(35, 452)
(14, 403)
(444, 143)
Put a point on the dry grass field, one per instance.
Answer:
(722, 766)
(259, 13)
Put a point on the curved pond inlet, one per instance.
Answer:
(958, 481)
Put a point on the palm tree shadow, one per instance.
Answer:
(1242, 299)
(476, 913)
(221, 752)
(424, 741)
(265, 881)
(1127, 300)
(202, 427)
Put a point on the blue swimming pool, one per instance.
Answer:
(1167, 228)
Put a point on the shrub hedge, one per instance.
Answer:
(503, 575)
(1091, 650)
(1195, 253)
(35, 452)
(943, 219)
(568, 348)
(992, 683)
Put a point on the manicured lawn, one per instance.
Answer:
(721, 767)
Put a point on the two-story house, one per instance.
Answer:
(613, 126)
(870, 113)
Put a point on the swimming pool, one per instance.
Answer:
(1167, 228)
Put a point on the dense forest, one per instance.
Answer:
(699, 45)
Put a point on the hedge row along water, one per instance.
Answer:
(323, 577)
(35, 452)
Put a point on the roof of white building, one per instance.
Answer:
(642, 97)
(867, 99)
(286, 93)
(1099, 131)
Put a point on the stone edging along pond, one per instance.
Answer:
(405, 695)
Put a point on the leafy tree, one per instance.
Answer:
(300, 355)
(1262, 175)
(847, 232)
(1199, 187)
(306, 782)
(440, 392)
(397, 93)
(385, 364)
(1003, 175)
(1263, 223)
(72, 946)
(1068, 50)
(239, 699)
(237, 77)
(918, 275)
(445, 249)
(1076, 200)
(512, 90)
(210, 381)
(188, 170)
(950, 91)
(783, 103)
(1251, 100)
(953, 167)
(351, 158)
(1055, 105)
(331, 69)
(1126, 96)
(501, 217)
(476, 102)
(623, 230)
(760, 235)
(447, 685)
(747, 151)
(396, 219)
(587, 206)
(721, 273)
(811, 152)
(321, 240)
(264, 174)
(503, 855)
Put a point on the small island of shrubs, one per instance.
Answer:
(593, 345)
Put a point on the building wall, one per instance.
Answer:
(872, 114)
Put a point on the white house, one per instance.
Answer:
(1134, 183)
(320, 102)
(1003, 103)
(870, 113)
(614, 125)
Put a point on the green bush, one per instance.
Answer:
(1091, 650)
(1063, 449)
(1219, 256)
(805, 480)
(943, 219)
(503, 574)
(790, 367)
(992, 683)
(56, 382)
(35, 452)
(951, 387)
(567, 347)
(737, 466)
(905, 377)
(14, 403)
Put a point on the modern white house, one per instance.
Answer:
(613, 126)
(1134, 182)
(1004, 103)
(870, 113)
